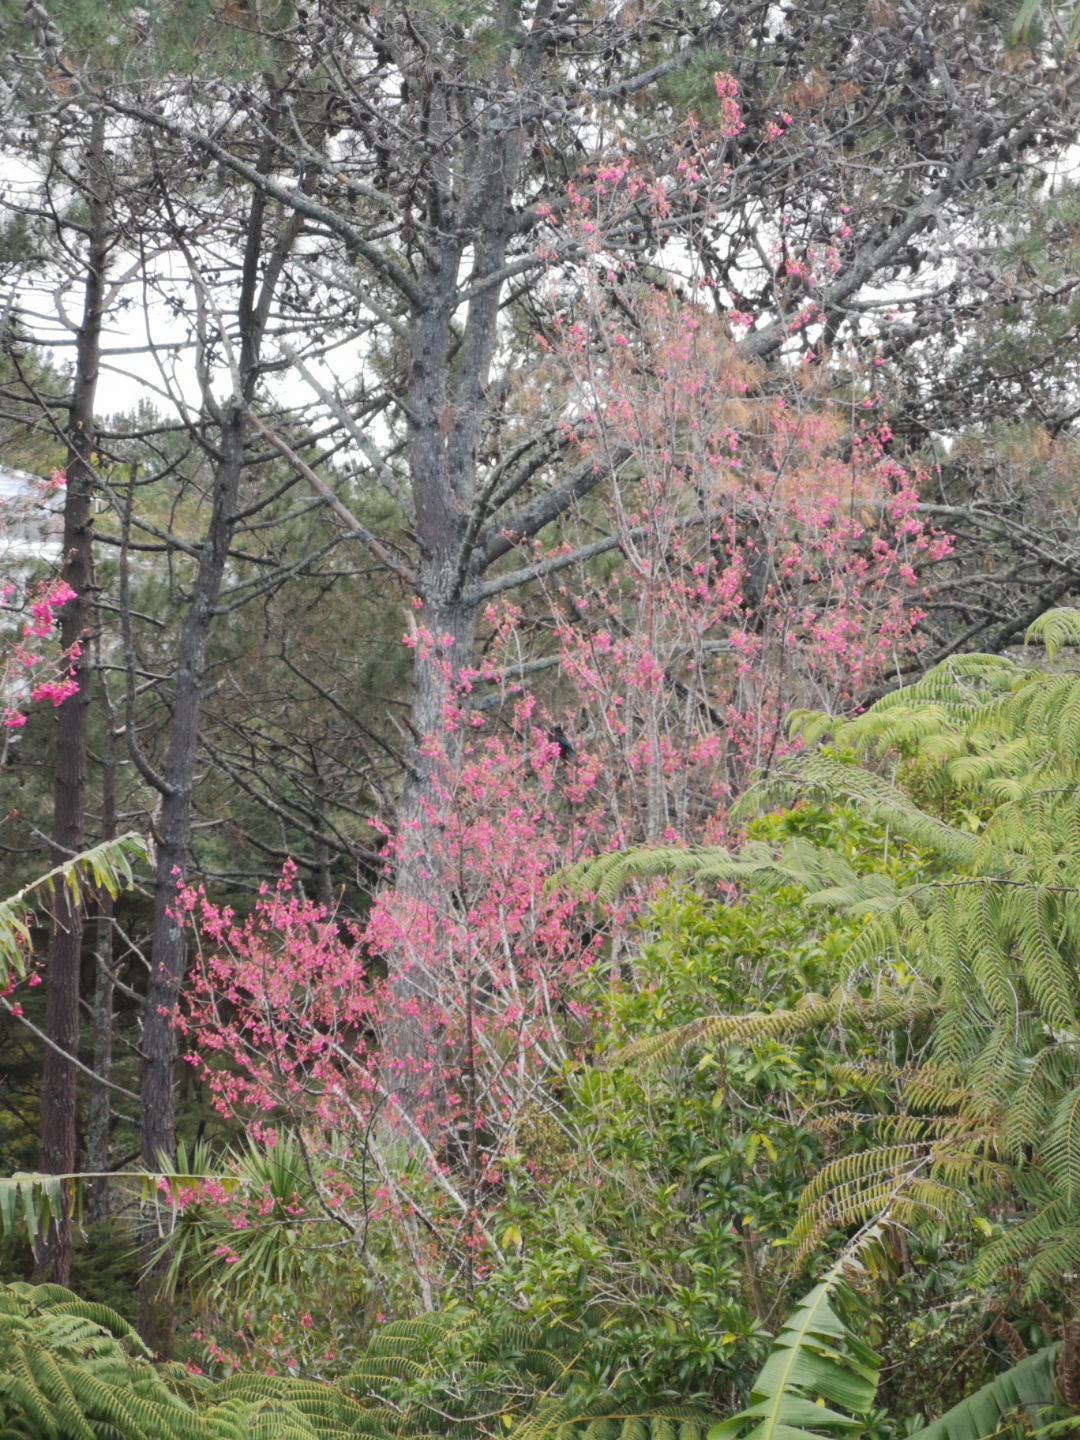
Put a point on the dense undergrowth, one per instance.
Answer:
(848, 1050)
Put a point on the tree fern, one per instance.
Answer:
(73, 1370)
(1055, 629)
(992, 930)
(64, 1373)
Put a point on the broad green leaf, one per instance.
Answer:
(27, 1188)
(1029, 1383)
(814, 1358)
(9, 1192)
(106, 864)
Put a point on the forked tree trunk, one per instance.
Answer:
(260, 275)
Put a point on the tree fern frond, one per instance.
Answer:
(813, 1013)
(833, 781)
(1055, 629)
(1060, 1155)
(51, 1382)
(1041, 963)
(843, 1176)
(66, 1367)
(97, 1314)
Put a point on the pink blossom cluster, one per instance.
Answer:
(286, 1016)
(727, 92)
(767, 554)
(32, 665)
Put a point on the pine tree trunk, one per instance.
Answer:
(260, 275)
(59, 1095)
(97, 1134)
(169, 955)
(441, 497)
(409, 1040)
(174, 823)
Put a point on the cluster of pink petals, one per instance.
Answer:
(770, 551)
(32, 663)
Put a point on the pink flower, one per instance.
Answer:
(56, 691)
(727, 89)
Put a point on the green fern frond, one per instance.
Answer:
(841, 1177)
(815, 775)
(812, 1013)
(67, 1371)
(1055, 629)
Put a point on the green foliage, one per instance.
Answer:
(1029, 1384)
(107, 867)
(986, 935)
(437, 1375)
(73, 1370)
(916, 1307)
(29, 1199)
(815, 1365)
(1029, 12)
(813, 1012)
(67, 1366)
(122, 39)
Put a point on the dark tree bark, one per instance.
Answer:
(98, 1127)
(169, 954)
(58, 1092)
(259, 278)
(438, 159)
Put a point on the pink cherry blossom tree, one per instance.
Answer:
(763, 550)
(34, 667)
